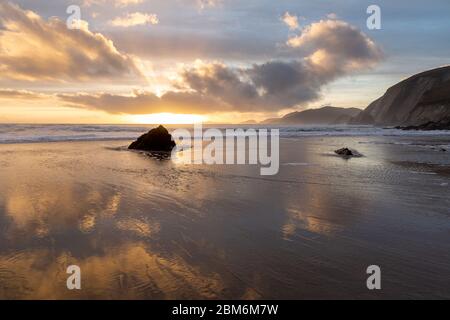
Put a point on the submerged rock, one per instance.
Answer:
(157, 139)
(346, 152)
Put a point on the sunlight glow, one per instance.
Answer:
(166, 118)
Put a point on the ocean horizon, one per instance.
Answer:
(29, 133)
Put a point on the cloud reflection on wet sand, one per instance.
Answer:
(146, 229)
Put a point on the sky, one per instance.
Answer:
(227, 61)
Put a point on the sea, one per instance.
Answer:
(35, 133)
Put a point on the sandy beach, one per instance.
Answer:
(144, 228)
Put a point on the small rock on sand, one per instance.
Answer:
(347, 153)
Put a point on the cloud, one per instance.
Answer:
(335, 47)
(21, 94)
(332, 16)
(124, 3)
(324, 50)
(117, 3)
(144, 102)
(221, 82)
(215, 87)
(291, 21)
(270, 86)
(34, 49)
(135, 19)
(327, 50)
(285, 84)
(203, 4)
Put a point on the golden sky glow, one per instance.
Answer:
(140, 61)
(166, 118)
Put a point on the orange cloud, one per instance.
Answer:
(21, 94)
(291, 21)
(34, 49)
(145, 102)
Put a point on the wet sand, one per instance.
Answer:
(142, 228)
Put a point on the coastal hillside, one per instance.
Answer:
(422, 98)
(324, 116)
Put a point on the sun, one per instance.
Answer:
(166, 118)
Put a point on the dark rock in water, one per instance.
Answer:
(347, 153)
(158, 139)
(431, 125)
